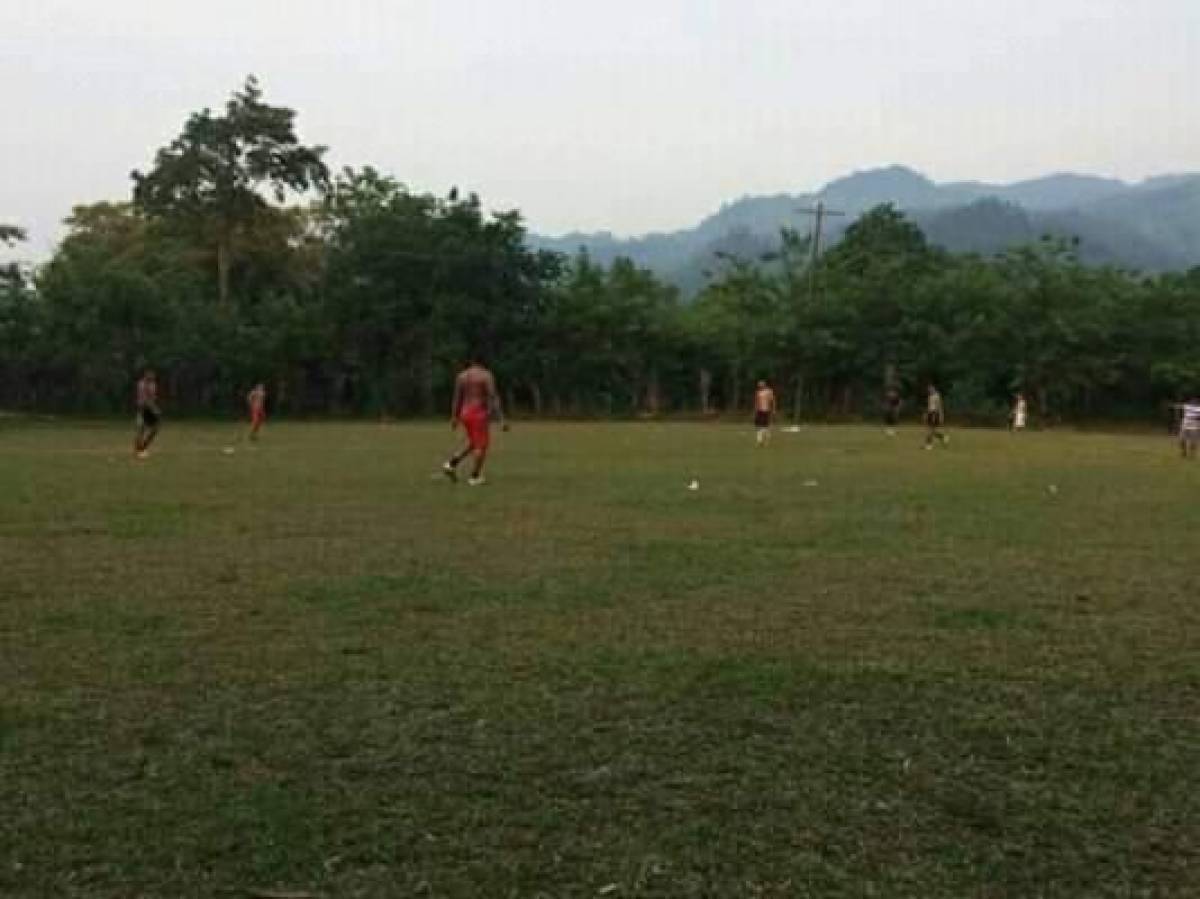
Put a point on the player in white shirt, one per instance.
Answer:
(1020, 413)
(935, 419)
(1189, 427)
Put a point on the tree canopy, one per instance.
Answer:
(239, 257)
(213, 176)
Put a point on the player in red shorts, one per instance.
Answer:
(475, 400)
(256, 402)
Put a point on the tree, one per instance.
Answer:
(413, 281)
(19, 325)
(211, 178)
(117, 289)
(740, 319)
(10, 234)
(874, 273)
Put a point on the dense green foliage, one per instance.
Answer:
(362, 296)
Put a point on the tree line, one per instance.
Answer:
(240, 257)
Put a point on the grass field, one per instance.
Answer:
(314, 668)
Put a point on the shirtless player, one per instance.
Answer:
(148, 414)
(475, 398)
(256, 402)
(764, 411)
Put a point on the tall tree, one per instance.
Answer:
(19, 325)
(213, 176)
(10, 234)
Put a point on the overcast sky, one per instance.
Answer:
(626, 115)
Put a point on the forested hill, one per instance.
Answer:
(1153, 225)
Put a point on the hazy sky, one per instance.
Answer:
(628, 115)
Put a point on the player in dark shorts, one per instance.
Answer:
(149, 415)
(764, 411)
(891, 410)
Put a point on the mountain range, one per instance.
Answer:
(1152, 225)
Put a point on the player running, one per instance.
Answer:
(764, 412)
(256, 402)
(1189, 427)
(475, 400)
(891, 410)
(148, 414)
(1020, 414)
(935, 419)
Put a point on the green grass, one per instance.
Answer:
(315, 667)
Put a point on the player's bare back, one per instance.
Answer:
(475, 387)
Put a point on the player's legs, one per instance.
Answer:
(147, 430)
(762, 428)
(141, 444)
(934, 431)
(480, 453)
(475, 423)
(480, 437)
(450, 468)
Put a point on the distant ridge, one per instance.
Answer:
(1153, 225)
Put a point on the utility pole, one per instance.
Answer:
(819, 212)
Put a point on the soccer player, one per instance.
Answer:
(148, 414)
(891, 410)
(256, 401)
(475, 401)
(1020, 414)
(935, 418)
(1189, 427)
(764, 411)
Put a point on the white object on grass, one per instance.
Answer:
(792, 429)
(228, 450)
(810, 483)
(695, 485)
(1052, 489)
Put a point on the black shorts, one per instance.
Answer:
(933, 419)
(891, 416)
(762, 419)
(147, 418)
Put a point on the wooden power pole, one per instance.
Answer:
(819, 213)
